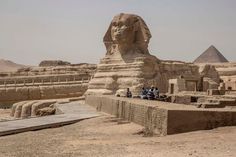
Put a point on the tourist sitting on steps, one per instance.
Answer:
(156, 93)
(128, 93)
(143, 94)
(150, 94)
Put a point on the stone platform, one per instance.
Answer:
(72, 112)
(164, 118)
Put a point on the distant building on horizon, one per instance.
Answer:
(211, 55)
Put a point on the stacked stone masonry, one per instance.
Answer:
(45, 83)
(163, 118)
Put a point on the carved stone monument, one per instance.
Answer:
(127, 63)
(126, 39)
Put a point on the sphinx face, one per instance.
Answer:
(122, 31)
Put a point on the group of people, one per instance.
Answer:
(146, 93)
(149, 93)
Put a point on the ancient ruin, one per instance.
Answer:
(128, 63)
(198, 95)
(35, 83)
(225, 69)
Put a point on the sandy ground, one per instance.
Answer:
(4, 114)
(103, 136)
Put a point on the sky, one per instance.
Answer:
(73, 30)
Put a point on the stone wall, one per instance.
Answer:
(11, 95)
(227, 73)
(82, 68)
(163, 118)
(46, 63)
(172, 70)
(145, 115)
(45, 83)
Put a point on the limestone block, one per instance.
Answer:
(22, 93)
(47, 92)
(39, 105)
(46, 63)
(26, 109)
(46, 111)
(34, 93)
(18, 110)
(13, 109)
(210, 72)
(14, 94)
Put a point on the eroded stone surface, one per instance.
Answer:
(34, 83)
(33, 108)
(128, 63)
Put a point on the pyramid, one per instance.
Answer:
(211, 55)
(8, 66)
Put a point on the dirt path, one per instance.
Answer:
(105, 137)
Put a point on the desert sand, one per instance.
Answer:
(103, 136)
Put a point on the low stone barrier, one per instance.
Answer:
(163, 118)
(10, 95)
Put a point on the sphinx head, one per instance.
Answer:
(127, 33)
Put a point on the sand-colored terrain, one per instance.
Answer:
(4, 114)
(7, 66)
(103, 136)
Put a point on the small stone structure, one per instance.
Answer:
(182, 84)
(227, 74)
(225, 69)
(34, 108)
(208, 78)
(47, 63)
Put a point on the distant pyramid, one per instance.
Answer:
(9, 66)
(211, 55)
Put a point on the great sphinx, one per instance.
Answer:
(127, 63)
(126, 38)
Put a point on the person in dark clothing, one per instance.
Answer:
(150, 94)
(128, 93)
(156, 93)
(143, 94)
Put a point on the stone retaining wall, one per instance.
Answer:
(163, 118)
(10, 95)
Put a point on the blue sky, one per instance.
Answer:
(72, 30)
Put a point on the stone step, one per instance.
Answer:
(72, 112)
(208, 105)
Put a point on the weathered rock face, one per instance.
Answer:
(46, 111)
(26, 109)
(45, 83)
(53, 63)
(210, 75)
(210, 72)
(227, 73)
(128, 64)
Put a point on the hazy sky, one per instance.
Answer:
(72, 30)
